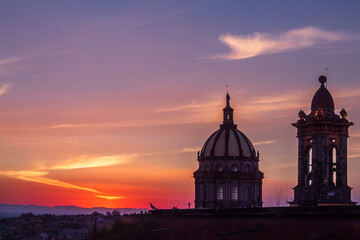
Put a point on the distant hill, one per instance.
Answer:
(14, 210)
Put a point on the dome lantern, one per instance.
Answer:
(228, 112)
(228, 141)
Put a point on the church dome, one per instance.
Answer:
(322, 98)
(228, 141)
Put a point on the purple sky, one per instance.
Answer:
(110, 100)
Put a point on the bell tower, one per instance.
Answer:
(322, 153)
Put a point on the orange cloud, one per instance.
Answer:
(247, 46)
(207, 110)
(39, 177)
(109, 197)
(5, 89)
(91, 162)
(87, 125)
(263, 142)
(194, 105)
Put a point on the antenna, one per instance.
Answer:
(227, 88)
(326, 71)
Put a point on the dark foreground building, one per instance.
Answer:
(322, 153)
(228, 175)
(285, 223)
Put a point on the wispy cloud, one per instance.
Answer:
(348, 93)
(355, 155)
(355, 134)
(207, 110)
(40, 177)
(193, 149)
(90, 162)
(247, 46)
(194, 105)
(88, 125)
(264, 142)
(251, 106)
(280, 101)
(109, 197)
(12, 65)
(12, 60)
(5, 89)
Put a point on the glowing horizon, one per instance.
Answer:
(107, 104)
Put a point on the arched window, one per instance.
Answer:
(219, 168)
(247, 168)
(219, 192)
(308, 177)
(247, 193)
(234, 168)
(234, 192)
(207, 167)
(332, 166)
(205, 193)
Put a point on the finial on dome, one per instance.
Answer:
(302, 115)
(227, 99)
(322, 80)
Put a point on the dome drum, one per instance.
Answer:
(244, 166)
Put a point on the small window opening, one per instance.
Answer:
(234, 192)
(220, 193)
(205, 193)
(333, 166)
(207, 168)
(247, 193)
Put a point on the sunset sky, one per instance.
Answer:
(105, 103)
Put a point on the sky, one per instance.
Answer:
(105, 103)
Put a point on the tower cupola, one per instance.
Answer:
(322, 99)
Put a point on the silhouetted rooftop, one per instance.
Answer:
(269, 211)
